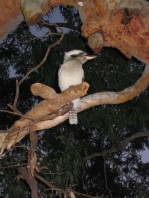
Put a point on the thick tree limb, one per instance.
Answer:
(104, 98)
(119, 148)
(32, 157)
(51, 104)
(22, 127)
(31, 181)
(117, 97)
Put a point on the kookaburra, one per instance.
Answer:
(71, 73)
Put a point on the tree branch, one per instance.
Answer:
(22, 127)
(14, 113)
(31, 181)
(105, 176)
(55, 188)
(119, 148)
(103, 98)
(117, 97)
(18, 83)
(54, 104)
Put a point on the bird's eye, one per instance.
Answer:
(74, 55)
(81, 54)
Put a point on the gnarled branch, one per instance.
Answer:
(52, 104)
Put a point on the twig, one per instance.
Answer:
(18, 83)
(88, 196)
(41, 37)
(105, 176)
(60, 173)
(14, 109)
(15, 113)
(64, 25)
(13, 165)
(119, 148)
(53, 187)
(17, 93)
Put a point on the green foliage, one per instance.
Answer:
(71, 15)
(68, 165)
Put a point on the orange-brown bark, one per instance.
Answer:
(11, 14)
(10, 17)
(52, 102)
(126, 29)
(8, 9)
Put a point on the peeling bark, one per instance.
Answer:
(53, 103)
(10, 17)
(31, 10)
(123, 24)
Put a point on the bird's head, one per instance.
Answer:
(79, 55)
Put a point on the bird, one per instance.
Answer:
(71, 73)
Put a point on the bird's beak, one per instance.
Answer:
(90, 57)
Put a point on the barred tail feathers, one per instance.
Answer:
(73, 118)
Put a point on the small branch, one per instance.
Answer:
(119, 148)
(18, 83)
(53, 187)
(13, 165)
(14, 113)
(17, 93)
(42, 37)
(64, 25)
(105, 175)
(88, 196)
(14, 109)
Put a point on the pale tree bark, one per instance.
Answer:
(37, 118)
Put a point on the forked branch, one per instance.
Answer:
(18, 83)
